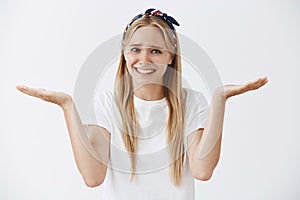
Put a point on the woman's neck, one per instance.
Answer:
(150, 92)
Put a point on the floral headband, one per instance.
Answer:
(153, 12)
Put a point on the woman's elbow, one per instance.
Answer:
(202, 176)
(93, 181)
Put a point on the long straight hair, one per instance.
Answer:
(123, 91)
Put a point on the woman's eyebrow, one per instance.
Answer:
(152, 46)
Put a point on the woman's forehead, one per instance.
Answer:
(148, 36)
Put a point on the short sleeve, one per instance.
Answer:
(102, 109)
(196, 110)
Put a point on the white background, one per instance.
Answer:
(44, 44)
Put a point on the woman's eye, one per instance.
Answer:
(156, 51)
(135, 49)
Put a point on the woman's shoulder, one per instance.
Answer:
(104, 96)
(191, 94)
(108, 93)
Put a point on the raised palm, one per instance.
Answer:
(55, 97)
(233, 90)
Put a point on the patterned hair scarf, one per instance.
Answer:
(153, 12)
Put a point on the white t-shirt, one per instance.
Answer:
(152, 179)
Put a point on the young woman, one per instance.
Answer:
(163, 136)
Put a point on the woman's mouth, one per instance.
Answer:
(144, 71)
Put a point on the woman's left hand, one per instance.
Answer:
(233, 90)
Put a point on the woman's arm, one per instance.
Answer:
(92, 170)
(205, 144)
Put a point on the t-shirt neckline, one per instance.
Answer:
(142, 101)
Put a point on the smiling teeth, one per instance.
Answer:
(145, 71)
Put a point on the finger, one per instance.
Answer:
(29, 91)
(265, 80)
(20, 87)
(23, 88)
(261, 82)
(42, 89)
(256, 81)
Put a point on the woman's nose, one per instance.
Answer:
(144, 56)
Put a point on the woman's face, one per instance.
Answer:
(147, 56)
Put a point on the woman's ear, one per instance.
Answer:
(171, 60)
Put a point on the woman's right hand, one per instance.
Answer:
(61, 99)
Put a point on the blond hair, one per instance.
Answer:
(172, 90)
